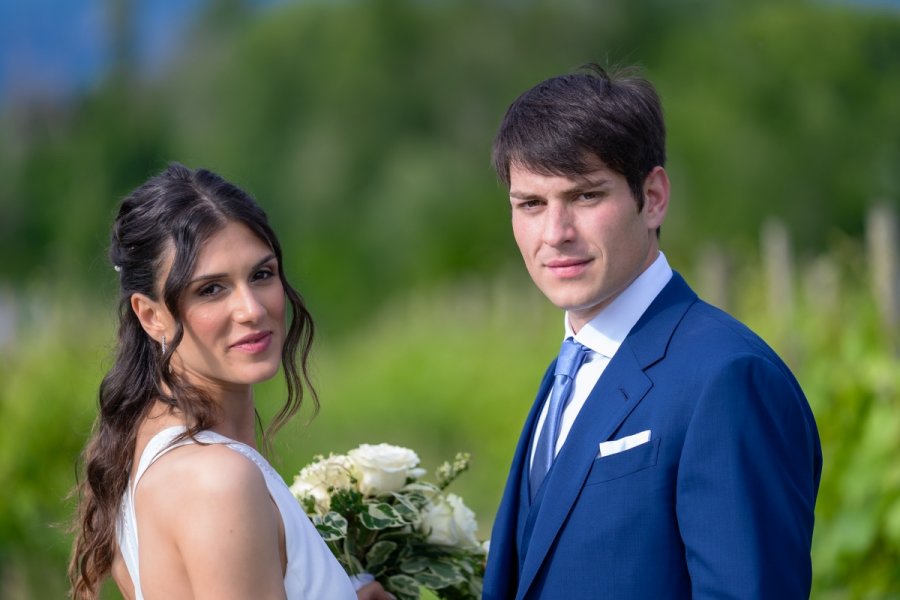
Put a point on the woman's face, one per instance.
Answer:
(233, 313)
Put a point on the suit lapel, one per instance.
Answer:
(620, 389)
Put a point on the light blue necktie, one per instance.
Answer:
(571, 355)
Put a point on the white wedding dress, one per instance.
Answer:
(312, 571)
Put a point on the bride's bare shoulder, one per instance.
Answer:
(199, 477)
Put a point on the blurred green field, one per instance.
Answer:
(364, 127)
(455, 368)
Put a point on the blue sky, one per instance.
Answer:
(57, 47)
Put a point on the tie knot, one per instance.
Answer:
(571, 355)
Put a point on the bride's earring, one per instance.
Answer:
(163, 344)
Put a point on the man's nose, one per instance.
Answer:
(558, 224)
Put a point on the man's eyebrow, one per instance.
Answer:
(209, 276)
(524, 195)
(590, 182)
(581, 184)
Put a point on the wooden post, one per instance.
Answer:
(778, 266)
(714, 276)
(883, 249)
(8, 319)
(822, 286)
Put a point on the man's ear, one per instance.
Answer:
(151, 314)
(656, 197)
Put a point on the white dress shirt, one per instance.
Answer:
(603, 335)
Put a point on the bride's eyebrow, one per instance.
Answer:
(211, 276)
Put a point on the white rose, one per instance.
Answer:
(317, 478)
(449, 522)
(383, 468)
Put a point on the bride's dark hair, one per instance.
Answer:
(179, 209)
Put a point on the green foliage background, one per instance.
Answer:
(364, 128)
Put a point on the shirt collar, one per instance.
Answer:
(606, 331)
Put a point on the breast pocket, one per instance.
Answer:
(624, 463)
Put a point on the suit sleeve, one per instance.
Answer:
(747, 482)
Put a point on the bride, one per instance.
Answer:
(176, 501)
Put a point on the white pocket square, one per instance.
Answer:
(622, 444)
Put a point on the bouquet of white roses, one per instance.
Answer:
(379, 517)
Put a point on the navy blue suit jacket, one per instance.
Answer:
(718, 504)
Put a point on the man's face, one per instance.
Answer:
(583, 239)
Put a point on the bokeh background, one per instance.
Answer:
(364, 128)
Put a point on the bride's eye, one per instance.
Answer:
(210, 290)
(264, 273)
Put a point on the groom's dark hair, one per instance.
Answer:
(562, 125)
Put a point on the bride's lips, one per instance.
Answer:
(254, 343)
(568, 267)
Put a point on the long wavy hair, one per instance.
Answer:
(179, 208)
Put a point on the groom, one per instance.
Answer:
(669, 453)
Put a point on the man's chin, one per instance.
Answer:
(571, 302)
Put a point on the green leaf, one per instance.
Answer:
(329, 534)
(333, 519)
(440, 573)
(379, 554)
(403, 584)
(353, 565)
(434, 581)
(466, 567)
(414, 564)
(406, 508)
(401, 535)
(332, 527)
(380, 516)
(475, 587)
(446, 569)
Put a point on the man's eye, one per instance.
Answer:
(530, 204)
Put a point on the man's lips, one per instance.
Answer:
(567, 267)
(255, 342)
(566, 262)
